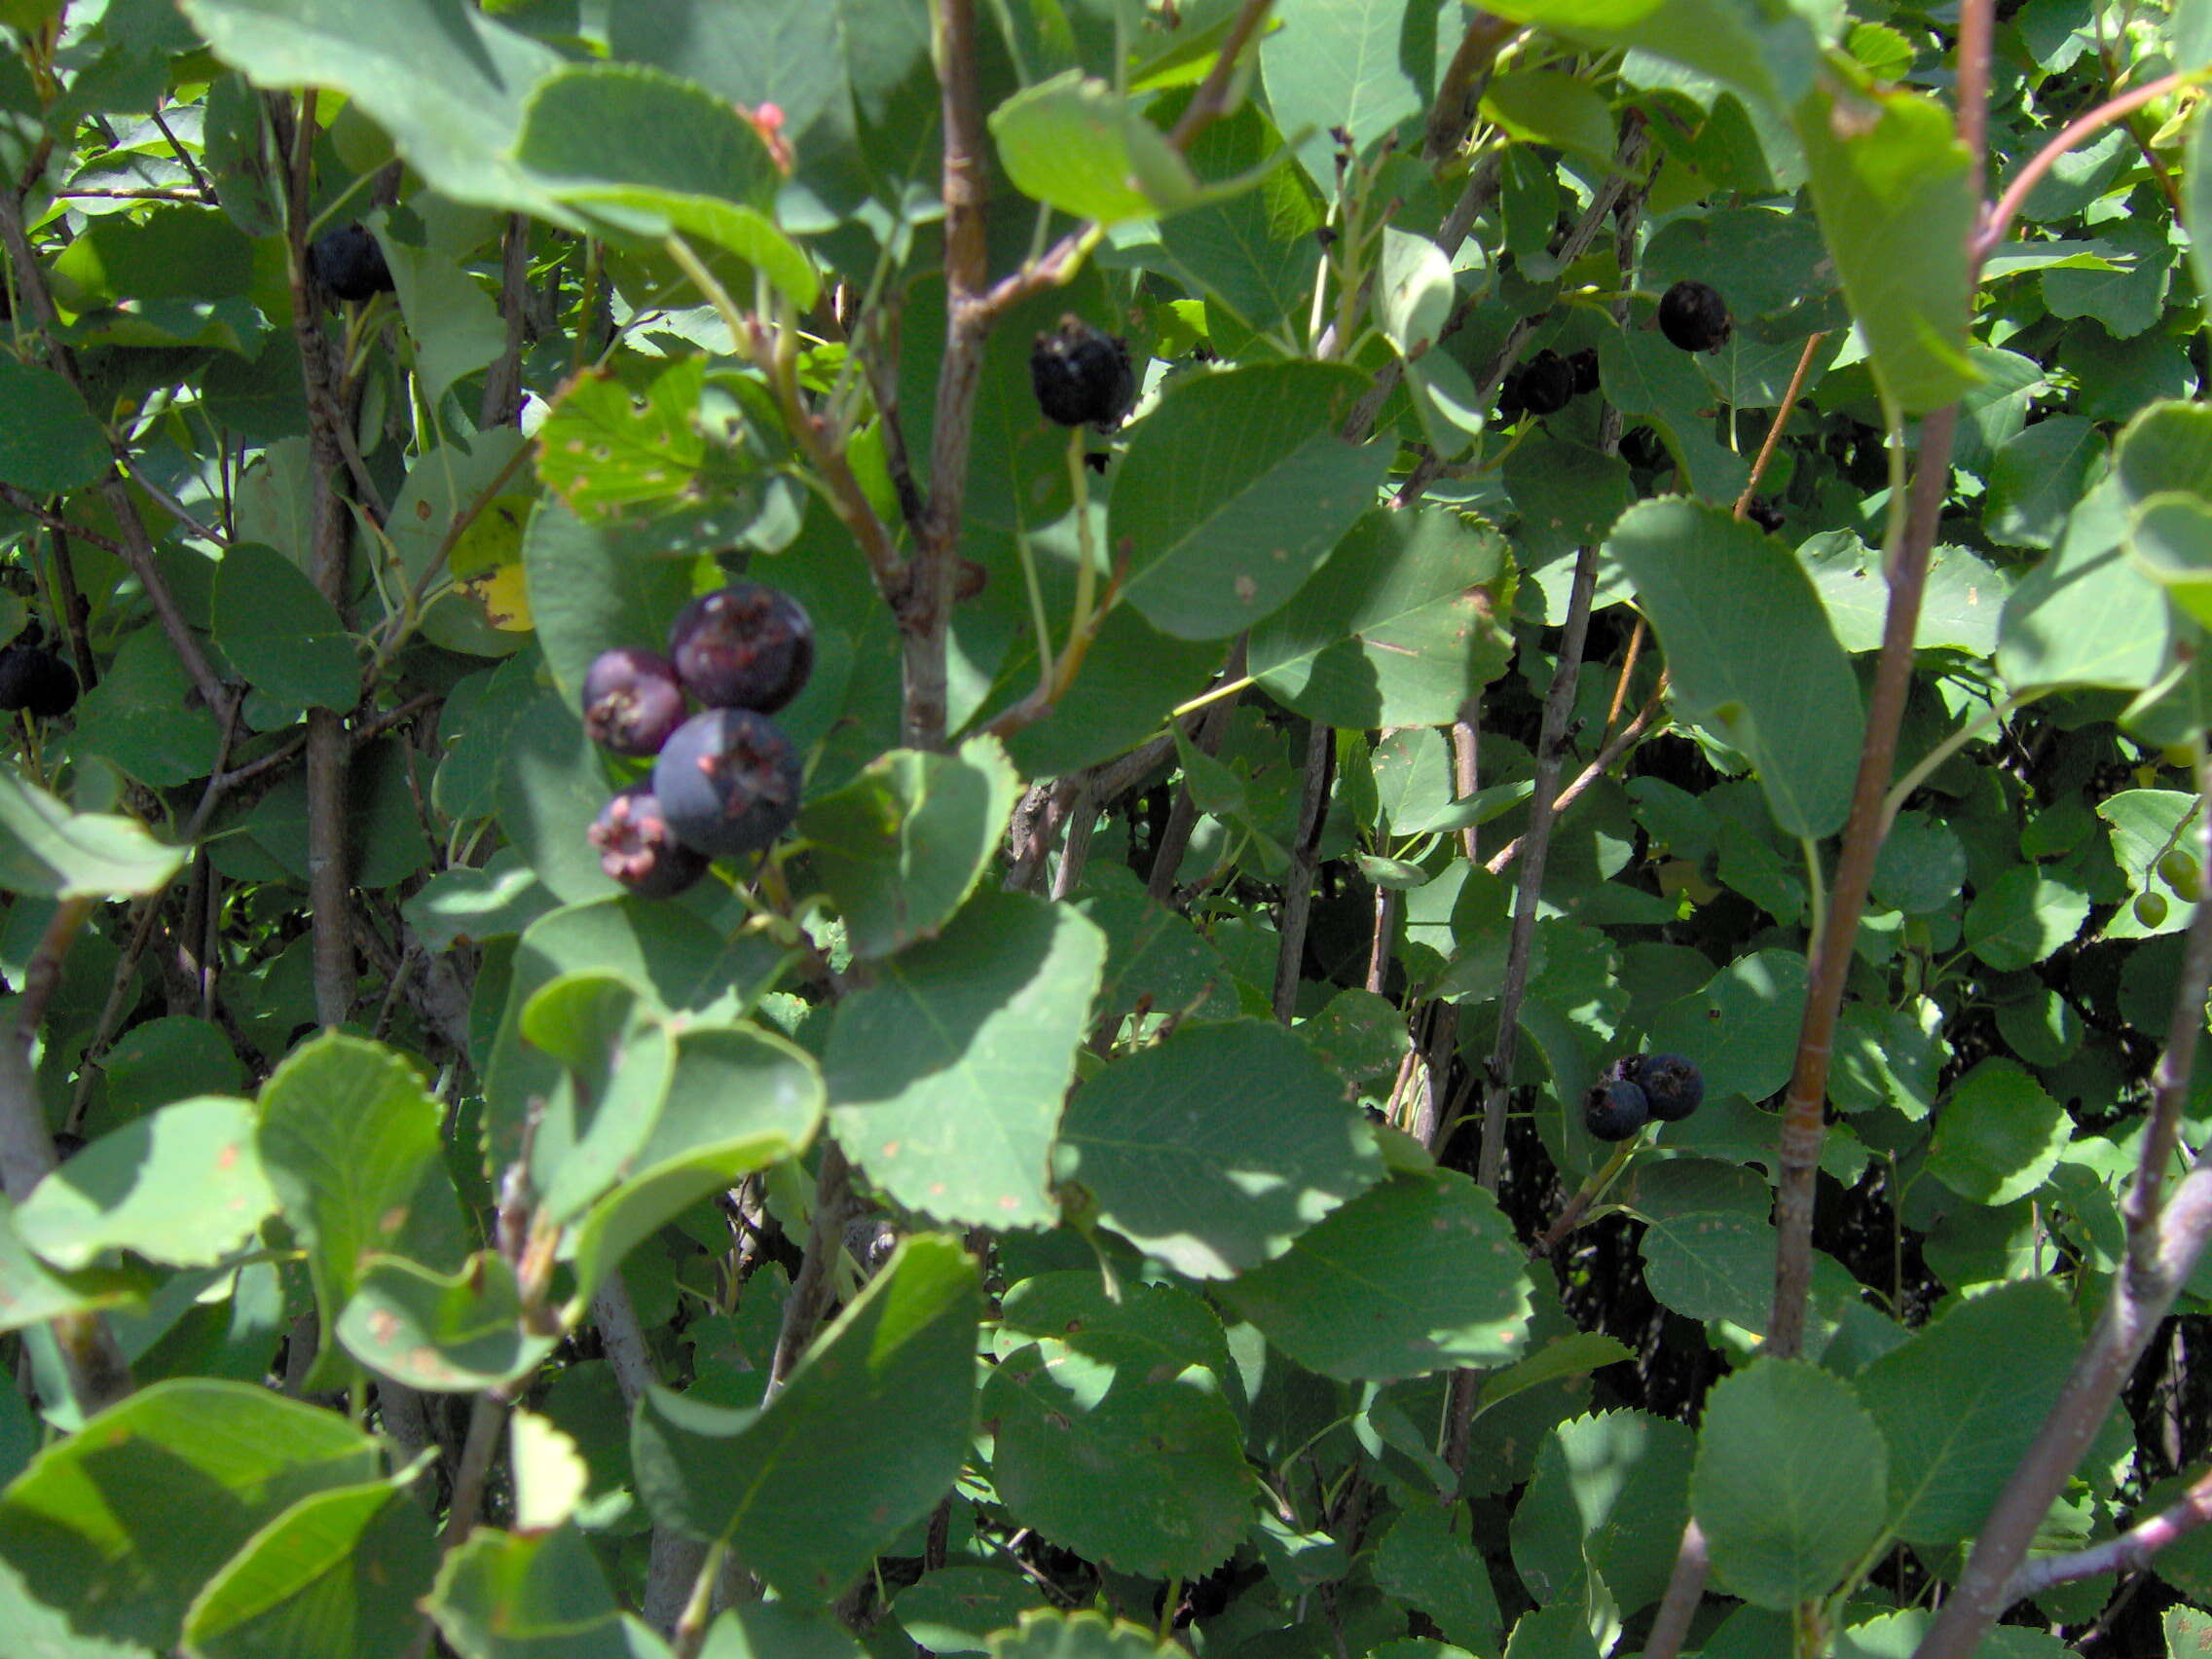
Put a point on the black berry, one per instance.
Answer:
(631, 701)
(1584, 363)
(637, 849)
(1547, 382)
(1640, 446)
(1615, 1110)
(741, 646)
(1673, 1086)
(1510, 408)
(1764, 513)
(728, 782)
(1694, 316)
(1083, 376)
(348, 263)
(32, 679)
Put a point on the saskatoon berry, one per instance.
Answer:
(1081, 375)
(637, 849)
(1510, 408)
(349, 264)
(1615, 1110)
(2179, 871)
(1764, 513)
(1584, 363)
(631, 701)
(741, 646)
(1546, 384)
(728, 782)
(1641, 447)
(34, 679)
(1673, 1086)
(2151, 909)
(1694, 316)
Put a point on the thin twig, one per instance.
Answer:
(1679, 1605)
(1298, 885)
(1212, 101)
(1621, 744)
(1999, 220)
(809, 1296)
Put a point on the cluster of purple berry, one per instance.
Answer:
(724, 781)
(1638, 1089)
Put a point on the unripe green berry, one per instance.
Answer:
(2179, 871)
(2151, 909)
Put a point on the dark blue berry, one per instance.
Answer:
(349, 264)
(1694, 316)
(1083, 376)
(1547, 383)
(34, 679)
(1615, 1110)
(728, 782)
(743, 646)
(1673, 1085)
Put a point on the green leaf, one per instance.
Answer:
(1956, 1424)
(2023, 916)
(1768, 54)
(1542, 106)
(49, 440)
(49, 852)
(1343, 64)
(1427, 1562)
(1216, 1148)
(32, 1292)
(2038, 476)
(181, 1185)
(337, 1572)
(868, 1434)
(740, 1100)
(1889, 182)
(2086, 615)
(1741, 1027)
(1607, 1503)
(1790, 1483)
(1073, 143)
(1416, 1276)
(900, 847)
(351, 1138)
(2168, 447)
(1405, 623)
(512, 1596)
(446, 81)
(2170, 536)
(618, 1057)
(946, 1074)
(1049, 1634)
(447, 1332)
(954, 1609)
(1750, 652)
(280, 632)
(1562, 1356)
(123, 1523)
(1998, 1135)
(457, 328)
(1110, 1434)
(650, 153)
(2196, 202)
(1235, 489)
(1414, 291)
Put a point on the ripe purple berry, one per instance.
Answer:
(1081, 375)
(741, 646)
(728, 782)
(1584, 363)
(1673, 1086)
(1694, 316)
(349, 264)
(1615, 1110)
(637, 849)
(1547, 383)
(631, 701)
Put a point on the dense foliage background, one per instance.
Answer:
(1115, 1176)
